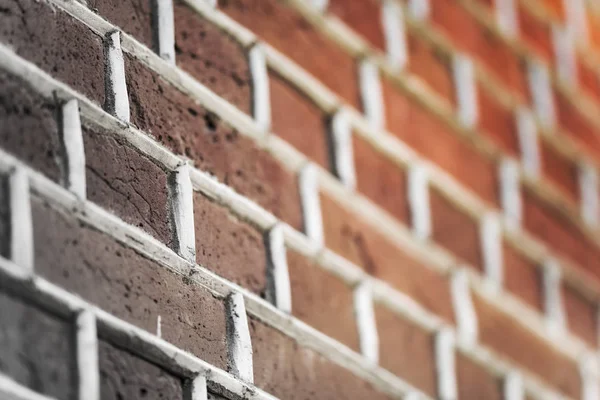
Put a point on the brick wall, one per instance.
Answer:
(299, 199)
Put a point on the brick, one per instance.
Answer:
(474, 382)
(556, 9)
(29, 127)
(588, 78)
(128, 285)
(5, 229)
(353, 238)
(560, 170)
(285, 30)
(229, 246)
(522, 277)
(406, 350)
(299, 121)
(454, 230)
(362, 16)
(419, 128)
(56, 42)
(126, 376)
(535, 32)
(505, 336)
(432, 64)
(322, 300)
(213, 57)
(582, 314)
(559, 232)
(186, 128)
(133, 16)
(497, 122)
(37, 349)
(380, 179)
(287, 370)
(127, 183)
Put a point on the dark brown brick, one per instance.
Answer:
(285, 30)
(286, 370)
(522, 277)
(133, 16)
(560, 170)
(56, 42)
(406, 350)
(126, 376)
(5, 228)
(186, 128)
(229, 246)
(128, 285)
(322, 300)
(362, 16)
(582, 314)
(37, 349)
(474, 382)
(497, 122)
(126, 182)
(212, 56)
(28, 126)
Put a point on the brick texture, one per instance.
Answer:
(133, 16)
(363, 16)
(522, 277)
(535, 32)
(498, 122)
(560, 170)
(474, 382)
(581, 314)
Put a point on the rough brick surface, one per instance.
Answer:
(5, 228)
(212, 57)
(133, 16)
(362, 16)
(127, 183)
(582, 314)
(125, 376)
(37, 349)
(474, 382)
(28, 127)
(289, 371)
(522, 277)
(560, 170)
(188, 129)
(57, 43)
(128, 285)
(322, 300)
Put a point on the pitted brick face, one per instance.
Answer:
(133, 16)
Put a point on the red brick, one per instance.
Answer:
(560, 170)
(522, 277)
(504, 335)
(363, 16)
(284, 29)
(133, 16)
(353, 238)
(588, 78)
(188, 129)
(126, 376)
(127, 285)
(455, 230)
(406, 350)
(381, 179)
(322, 300)
(299, 121)
(559, 232)
(474, 382)
(419, 128)
(29, 127)
(582, 314)
(497, 122)
(287, 370)
(229, 246)
(38, 349)
(57, 43)
(535, 32)
(213, 57)
(431, 64)
(127, 183)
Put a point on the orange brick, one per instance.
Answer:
(497, 122)
(535, 32)
(363, 16)
(474, 382)
(560, 170)
(588, 79)
(556, 8)
(522, 277)
(406, 350)
(582, 315)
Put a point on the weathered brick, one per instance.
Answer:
(503, 334)
(536, 32)
(522, 277)
(582, 314)
(29, 127)
(299, 121)
(229, 246)
(126, 182)
(5, 228)
(37, 349)
(362, 16)
(126, 376)
(454, 230)
(353, 238)
(560, 170)
(419, 128)
(322, 300)
(212, 56)
(380, 179)
(287, 370)
(474, 382)
(406, 350)
(56, 42)
(186, 128)
(288, 32)
(497, 122)
(128, 285)
(133, 16)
